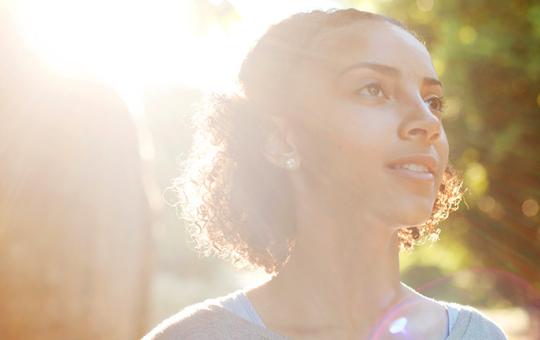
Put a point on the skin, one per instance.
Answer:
(342, 280)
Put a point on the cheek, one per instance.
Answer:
(366, 134)
(443, 150)
(350, 146)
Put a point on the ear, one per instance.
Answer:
(280, 148)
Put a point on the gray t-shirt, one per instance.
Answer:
(238, 303)
(233, 317)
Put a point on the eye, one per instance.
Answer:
(436, 104)
(371, 90)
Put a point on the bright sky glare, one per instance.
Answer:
(132, 44)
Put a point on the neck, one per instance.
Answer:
(343, 271)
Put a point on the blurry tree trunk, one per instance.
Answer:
(74, 222)
(74, 219)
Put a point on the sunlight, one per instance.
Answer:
(131, 45)
(122, 43)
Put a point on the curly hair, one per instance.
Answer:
(222, 197)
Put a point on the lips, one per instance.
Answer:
(411, 167)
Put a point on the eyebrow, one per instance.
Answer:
(385, 69)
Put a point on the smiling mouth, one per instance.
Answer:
(417, 167)
(416, 172)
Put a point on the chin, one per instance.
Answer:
(415, 215)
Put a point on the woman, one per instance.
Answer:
(332, 159)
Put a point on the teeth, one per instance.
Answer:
(413, 167)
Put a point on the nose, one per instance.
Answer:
(421, 124)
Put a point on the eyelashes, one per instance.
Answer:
(375, 90)
(436, 104)
(372, 90)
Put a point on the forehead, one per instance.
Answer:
(372, 41)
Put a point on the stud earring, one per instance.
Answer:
(291, 164)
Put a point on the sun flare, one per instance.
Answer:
(131, 45)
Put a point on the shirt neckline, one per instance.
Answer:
(258, 322)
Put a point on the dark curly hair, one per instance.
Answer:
(224, 195)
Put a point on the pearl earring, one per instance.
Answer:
(291, 164)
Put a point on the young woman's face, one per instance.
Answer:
(369, 105)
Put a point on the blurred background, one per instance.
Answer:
(95, 106)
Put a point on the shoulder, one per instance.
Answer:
(208, 320)
(465, 322)
(192, 322)
(473, 324)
